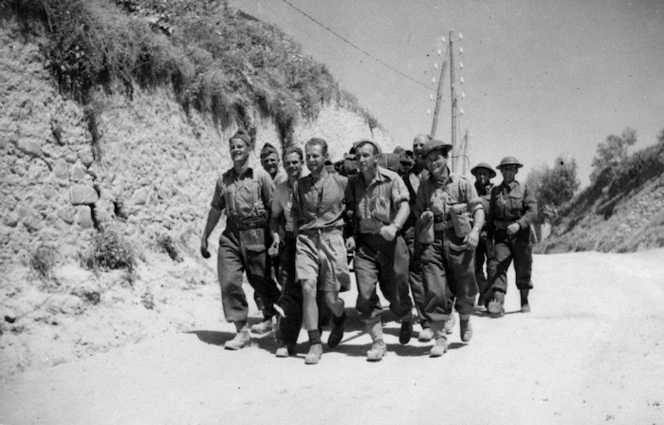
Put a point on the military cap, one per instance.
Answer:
(484, 165)
(509, 160)
(268, 150)
(242, 135)
(436, 145)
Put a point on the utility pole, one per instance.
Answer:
(439, 94)
(453, 98)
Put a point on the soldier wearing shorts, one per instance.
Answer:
(450, 216)
(320, 260)
(378, 199)
(246, 195)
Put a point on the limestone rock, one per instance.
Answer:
(141, 196)
(86, 156)
(60, 170)
(30, 146)
(84, 216)
(83, 195)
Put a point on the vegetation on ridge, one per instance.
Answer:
(218, 60)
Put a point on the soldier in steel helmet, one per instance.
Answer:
(450, 216)
(483, 174)
(512, 210)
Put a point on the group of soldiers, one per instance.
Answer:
(412, 228)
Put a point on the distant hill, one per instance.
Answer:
(623, 211)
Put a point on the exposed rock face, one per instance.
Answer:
(151, 171)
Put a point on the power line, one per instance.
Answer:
(355, 46)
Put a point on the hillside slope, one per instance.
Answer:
(623, 211)
(137, 171)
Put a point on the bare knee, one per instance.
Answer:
(309, 288)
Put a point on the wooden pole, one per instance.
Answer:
(439, 94)
(453, 99)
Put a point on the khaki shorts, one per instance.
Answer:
(322, 258)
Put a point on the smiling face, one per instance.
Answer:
(437, 163)
(239, 150)
(418, 145)
(315, 158)
(366, 157)
(271, 163)
(293, 165)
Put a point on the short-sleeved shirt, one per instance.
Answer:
(283, 196)
(439, 196)
(513, 202)
(319, 204)
(243, 196)
(376, 204)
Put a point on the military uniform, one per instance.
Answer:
(484, 250)
(447, 266)
(242, 246)
(379, 262)
(512, 203)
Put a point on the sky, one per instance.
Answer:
(541, 78)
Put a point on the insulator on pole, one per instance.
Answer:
(460, 111)
(460, 36)
(433, 80)
(461, 80)
(443, 38)
(463, 95)
(430, 96)
(461, 50)
(428, 110)
(440, 52)
(460, 65)
(435, 65)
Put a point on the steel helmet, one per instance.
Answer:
(435, 145)
(509, 160)
(484, 165)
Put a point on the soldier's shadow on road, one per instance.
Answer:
(484, 313)
(265, 341)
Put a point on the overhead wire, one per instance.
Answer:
(355, 46)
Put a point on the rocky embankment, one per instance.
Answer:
(139, 168)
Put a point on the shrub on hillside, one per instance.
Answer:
(42, 261)
(218, 60)
(110, 251)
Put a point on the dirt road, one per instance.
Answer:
(592, 351)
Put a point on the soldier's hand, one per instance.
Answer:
(472, 239)
(388, 232)
(204, 248)
(426, 217)
(273, 251)
(350, 244)
(513, 228)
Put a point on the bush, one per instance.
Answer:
(110, 251)
(42, 261)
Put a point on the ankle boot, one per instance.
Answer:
(525, 306)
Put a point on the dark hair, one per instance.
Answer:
(369, 142)
(317, 141)
(296, 150)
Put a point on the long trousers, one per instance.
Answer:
(519, 248)
(484, 254)
(416, 283)
(233, 260)
(448, 272)
(379, 263)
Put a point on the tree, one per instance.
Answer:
(553, 187)
(612, 153)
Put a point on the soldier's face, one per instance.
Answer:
(315, 158)
(418, 145)
(508, 172)
(482, 176)
(293, 165)
(239, 150)
(366, 157)
(436, 163)
(271, 163)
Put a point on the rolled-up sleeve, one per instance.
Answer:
(399, 192)
(218, 198)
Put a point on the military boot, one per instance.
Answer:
(496, 305)
(525, 306)
(440, 345)
(378, 349)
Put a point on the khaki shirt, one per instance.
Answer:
(283, 197)
(319, 204)
(512, 203)
(439, 197)
(377, 203)
(243, 196)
